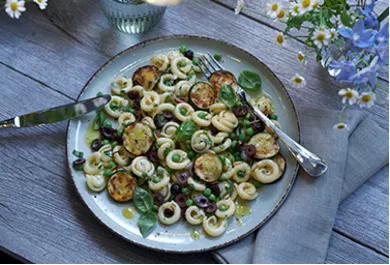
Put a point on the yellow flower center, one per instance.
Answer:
(281, 14)
(279, 39)
(340, 126)
(298, 80)
(306, 3)
(14, 6)
(349, 94)
(366, 98)
(316, 4)
(320, 37)
(300, 56)
(274, 7)
(296, 9)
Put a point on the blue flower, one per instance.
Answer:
(343, 70)
(368, 74)
(359, 36)
(383, 34)
(370, 18)
(382, 50)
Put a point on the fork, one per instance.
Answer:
(311, 163)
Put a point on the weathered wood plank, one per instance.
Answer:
(254, 7)
(340, 251)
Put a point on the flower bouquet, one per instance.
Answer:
(14, 8)
(348, 39)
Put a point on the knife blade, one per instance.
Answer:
(57, 114)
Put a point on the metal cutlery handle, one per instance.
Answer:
(311, 163)
(7, 123)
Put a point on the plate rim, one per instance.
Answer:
(227, 243)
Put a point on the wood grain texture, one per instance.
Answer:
(64, 52)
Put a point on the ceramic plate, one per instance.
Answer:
(176, 238)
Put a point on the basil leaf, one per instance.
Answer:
(228, 95)
(146, 223)
(99, 119)
(249, 80)
(346, 19)
(186, 130)
(143, 201)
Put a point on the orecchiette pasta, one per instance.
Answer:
(201, 141)
(177, 159)
(169, 130)
(113, 107)
(121, 85)
(201, 118)
(169, 219)
(121, 156)
(265, 106)
(182, 88)
(230, 207)
(125, 119)
(214, 226)
(247, 191)
(225, 121)
(106, 153)
(165, 145)
(181, 71)
(139, 89)
(216, 108)
(240, 172)
(167, 97)
(197, 185)
(165, 107)
(149, 121)
(95, 182)
(167, 83)
(142, 167)
(161, 61)
(183, 111)
(93, 164)
(265, 171)
(194, 215)
(150, 101)
(222, 142)
(160, 180)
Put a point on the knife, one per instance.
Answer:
(57, 114)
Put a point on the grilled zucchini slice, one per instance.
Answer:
(266, 145)
(208, 167)
(146, 76)
(219, 78)
(137, 138)
(201, 95)
(121, 186)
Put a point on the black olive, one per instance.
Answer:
(159, 120)
(168, 115)
(78, 162)
(181, 199)
(107, 132)
(213, 186)
(152, 155)
(202, 201)
(175, 189)
(211, 208)
(213, 129)
(191, 170)
(250, 150)
(182, 178)
(240, 111)
(133, 95)
(96, 144)
(168, 212)
(136, 105)
(189, 54)
(258, 126)
(158, 199)
(138, 115)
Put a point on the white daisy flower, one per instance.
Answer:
(349, 95)
(321, 37)
(305, 6)
(298, 81)
(333, 33)
(274, 7)
(317, 3)
(279, 38)
(367, 99)
(239, 6)
(41, 3)
(294, 9)
(14, 8)
(300, 56)
(341, 126)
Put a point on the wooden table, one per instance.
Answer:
(47, 57)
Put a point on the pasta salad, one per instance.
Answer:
(179, 147)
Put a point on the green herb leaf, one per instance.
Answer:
(228, 95)
(143, 201)
(147, 222)
(295, 22)
(249, 80)
(99, 119)
(78, 154)
(346, 19)
(186, 130)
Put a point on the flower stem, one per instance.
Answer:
(341, 113)
(383, 15)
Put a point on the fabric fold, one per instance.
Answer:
(300, 231)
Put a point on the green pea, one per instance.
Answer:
(233, 135)
(202, 115)
(234, 143)
(107, 172)
(250, 131)
(106, 142)
(239, 104)
(223, 159)
(191, 187)
(189, 202)
(247, 123)
(107, 123)
(185, 190)
(183, 49)
(176, 158)
(217, 56)
(212, 198)
(191, 154)
(207, 192)
(237, 158)
(114, 144)
(242, 136)
(114, 106)
(183, 112)
(155, 208)
(79, 167)
(188, 145)
(195, 60)
(222, 208)
(182, 64)
(99, 94)
(241, 174)
(248, 116)
(120, 132)
(111, 164)
(144, 175)
(273, 117)
(256, 183)
(156, 179)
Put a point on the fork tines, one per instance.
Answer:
(208, 65)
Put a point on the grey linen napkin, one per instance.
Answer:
(300, 231)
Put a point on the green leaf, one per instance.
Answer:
(295, 22)
(346, 19)
(147, 222)
(143, 201)
(249, 80)
(99, 119)
(228, 95)
(78, 154)
(186, 130)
